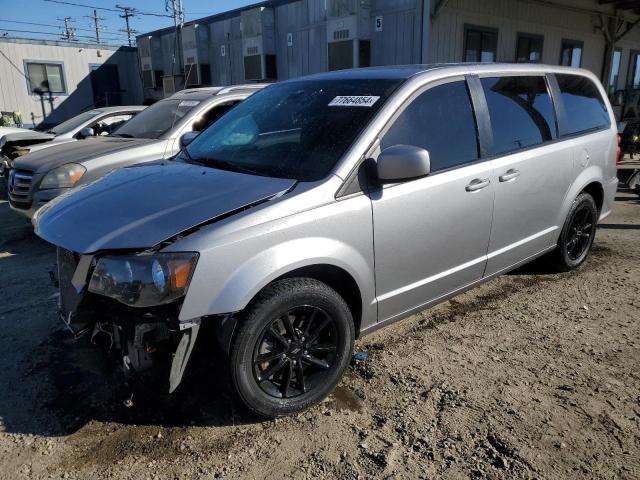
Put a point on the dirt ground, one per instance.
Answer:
(533, 375)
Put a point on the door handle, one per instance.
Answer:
(478, 184)
(511, 174)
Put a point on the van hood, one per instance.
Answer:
(77, 152)
(139, 207)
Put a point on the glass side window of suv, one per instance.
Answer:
(441, 121)
(521, 112)
(584, 107)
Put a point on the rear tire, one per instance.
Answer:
(291, 347)
(634, 182)
(577, 234)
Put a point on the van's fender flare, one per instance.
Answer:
(586, 177)
(260, 270)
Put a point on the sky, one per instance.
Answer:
(49, 14)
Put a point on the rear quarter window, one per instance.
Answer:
(585, 109)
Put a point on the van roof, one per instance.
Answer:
(404, 72)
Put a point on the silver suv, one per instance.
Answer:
(156, 133)
(323, 208)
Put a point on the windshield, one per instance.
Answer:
(74, 122)
(156, 120)
(296, 130)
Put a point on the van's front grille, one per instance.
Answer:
(21, 188)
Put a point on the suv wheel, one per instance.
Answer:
(577, 234)
(292, 347)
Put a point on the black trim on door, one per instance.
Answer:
(481, 112)
(558, 104)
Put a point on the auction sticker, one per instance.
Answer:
(354, 101)
(189, 103)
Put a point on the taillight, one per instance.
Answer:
(618, 149)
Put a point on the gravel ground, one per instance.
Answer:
(533, 375)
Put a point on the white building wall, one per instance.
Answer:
(77, 60)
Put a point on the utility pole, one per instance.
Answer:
(69, 33)
(127, 12)
(177, 11)
(96, 21)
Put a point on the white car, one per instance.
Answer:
(16, 142)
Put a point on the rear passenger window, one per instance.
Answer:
(583, 105)
(441, 121)
(521, 112)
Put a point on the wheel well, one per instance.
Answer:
(597, 192)
(338, 279)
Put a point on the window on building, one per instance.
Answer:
(441, 121)
(583, 105)
(634, 70)
(615, 70)
(45, 77)
(480, 44)
(521, 112)
(571, 53)
(529, 48)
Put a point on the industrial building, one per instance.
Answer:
(282, 39)
(48, 81)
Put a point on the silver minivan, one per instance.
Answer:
(325, 207)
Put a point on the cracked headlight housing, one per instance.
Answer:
(65, 176)
(145, 280)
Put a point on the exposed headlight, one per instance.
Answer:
(145, 280)
(65, 176)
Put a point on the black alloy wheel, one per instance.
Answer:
(291, 347)
(581, 229)
(577, 234)
(295, 352)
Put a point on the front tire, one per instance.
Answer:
(291, 347)
(577, 234)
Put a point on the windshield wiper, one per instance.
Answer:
(222, 165)
(121, 135)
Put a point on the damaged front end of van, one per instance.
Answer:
(129, 306)
(120, 289)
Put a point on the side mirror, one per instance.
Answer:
(86, 132)
(402, 162)
(187, 138)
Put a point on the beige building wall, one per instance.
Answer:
(76, 60)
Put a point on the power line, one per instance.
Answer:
(53, 34)
(107, 9)
(58, 26)
(81, 5)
